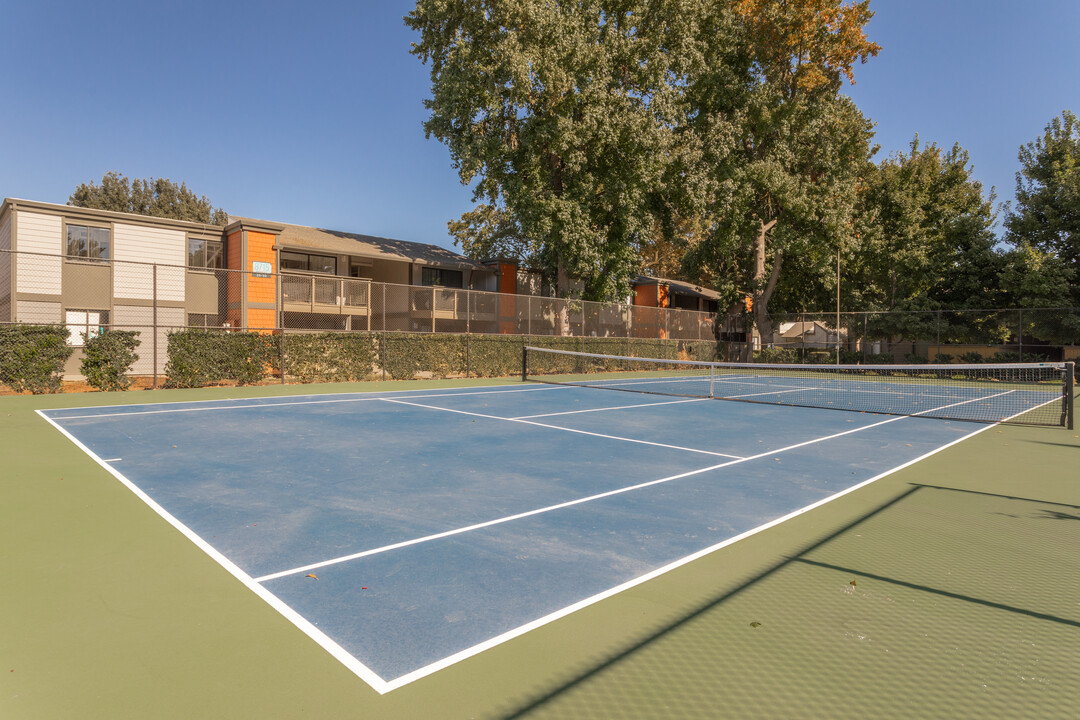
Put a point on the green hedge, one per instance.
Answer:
(32, 357)
(405, 355)
(327, 357)
(203, 357)
(108, 357)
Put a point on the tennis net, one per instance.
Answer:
(1019, 393)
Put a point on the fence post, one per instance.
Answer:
(938, 323)
(1020, 335)
(155, 304)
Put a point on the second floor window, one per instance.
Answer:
(310, 263)
(205, 254)
(85, 242)
(442, 278)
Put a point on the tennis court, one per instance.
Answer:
(412, 533)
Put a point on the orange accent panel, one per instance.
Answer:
(507, 304)
(260, 248)
(507, 278)
(664, 299)
(645, 295)
(262, 319)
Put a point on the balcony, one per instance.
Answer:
(321, 294)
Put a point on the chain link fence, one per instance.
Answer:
(88, 296)
(945, 336)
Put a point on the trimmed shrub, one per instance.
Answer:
(32, 357)
(495, 355)
(404, 355)
(108, 357)
(202, 357)
(778, 355)
(328, 357)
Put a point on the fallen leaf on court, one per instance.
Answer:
(852, 583)
(755, 624)
(311, 575)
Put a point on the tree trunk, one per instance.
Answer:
(763, 288)
(562, 290)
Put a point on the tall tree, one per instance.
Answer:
(562, 116)
(157, 197)
(927, 242)
(786, 149)
(1047, 211)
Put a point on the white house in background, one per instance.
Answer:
(811, 334)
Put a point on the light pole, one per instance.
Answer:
(838, 303)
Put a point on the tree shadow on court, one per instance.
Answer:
(699, 610)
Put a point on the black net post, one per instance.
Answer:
(1067, 388)
(524, 362)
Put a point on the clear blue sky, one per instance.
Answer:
(311, 112)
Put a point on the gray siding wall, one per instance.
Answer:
(5, 270)
(39, 234)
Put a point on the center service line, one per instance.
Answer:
(571, 503)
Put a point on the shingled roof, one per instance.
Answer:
(301, 237)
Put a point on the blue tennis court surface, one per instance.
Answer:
(441, 522)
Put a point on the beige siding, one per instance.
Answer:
(133, 246)
(141, 319)
(5, 270)
(39, 234)
(38, 312)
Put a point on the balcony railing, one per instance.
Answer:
(324, 292)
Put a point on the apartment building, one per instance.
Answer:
(91, 269)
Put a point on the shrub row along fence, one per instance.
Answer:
(33, 357)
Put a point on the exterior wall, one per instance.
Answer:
(37, 233)
(645, 295)
(140, 318)
(38, 312)
(234, 260)
(5, 270)
(388, 271)
(261, 302)
(135, 244)
(527, 283)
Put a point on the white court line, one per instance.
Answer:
(570, 503)
(564, 429)
(369, 676)
(617, 407)
(358, 668)
(249, 406)
(769, 392)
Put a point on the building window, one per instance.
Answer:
(205, 320)
(86, 242)
(442, 278)
(84, 324)
(205, 254)
(309, 263)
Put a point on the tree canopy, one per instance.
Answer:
(562, 116)
(1047, 211)
(156, 197)
(711, 142)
